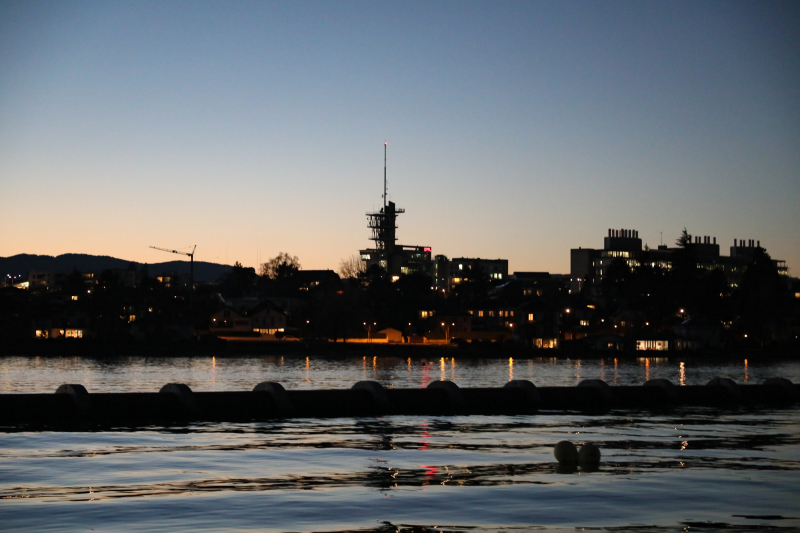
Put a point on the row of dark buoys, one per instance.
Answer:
(176, 402)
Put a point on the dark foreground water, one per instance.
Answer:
(693, 469)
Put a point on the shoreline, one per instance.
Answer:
(236, 348)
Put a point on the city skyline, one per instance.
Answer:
(514, 131)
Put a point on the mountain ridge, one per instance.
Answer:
(21, 264)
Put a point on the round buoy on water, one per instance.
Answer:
(589, 454)
(566, 452)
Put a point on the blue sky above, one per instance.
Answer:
(515, 129)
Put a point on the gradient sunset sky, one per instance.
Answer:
(516, 130)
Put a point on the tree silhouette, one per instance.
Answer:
(281, 267)
(684, 240)
(239, 282)
(351, 267)
(762, 298)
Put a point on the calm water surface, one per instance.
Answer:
(139, 374)
(691, 469)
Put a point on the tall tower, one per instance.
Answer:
(384, 174)
(383, 225)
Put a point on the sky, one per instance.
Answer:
(515, 130)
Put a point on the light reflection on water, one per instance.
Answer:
(693, 467)
(35, 374)
(701, 469)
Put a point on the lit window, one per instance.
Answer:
(530, 317)
(584, 322)
(461, 267)
(480, 314)
(75, 298)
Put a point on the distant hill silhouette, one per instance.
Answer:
(21, 264)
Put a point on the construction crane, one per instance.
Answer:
(191, 261)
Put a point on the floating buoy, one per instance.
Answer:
(589, 455)
(566, 453)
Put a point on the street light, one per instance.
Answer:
(368, 327)
(447, 331)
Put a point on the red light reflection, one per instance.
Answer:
(425, 436)
(430, 470)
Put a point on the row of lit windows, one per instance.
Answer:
(68, 333)
(491, 313)
(529, 292)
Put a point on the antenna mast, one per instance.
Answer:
(384, 223)
(384, 175)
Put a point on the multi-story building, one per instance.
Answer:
(590, 266)
(450, 272)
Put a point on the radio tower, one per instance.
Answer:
(384, 175)
(383, 224)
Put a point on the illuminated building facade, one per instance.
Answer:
(451, 272)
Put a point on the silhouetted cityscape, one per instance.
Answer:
(623, 297)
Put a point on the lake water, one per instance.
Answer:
(692, 469)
